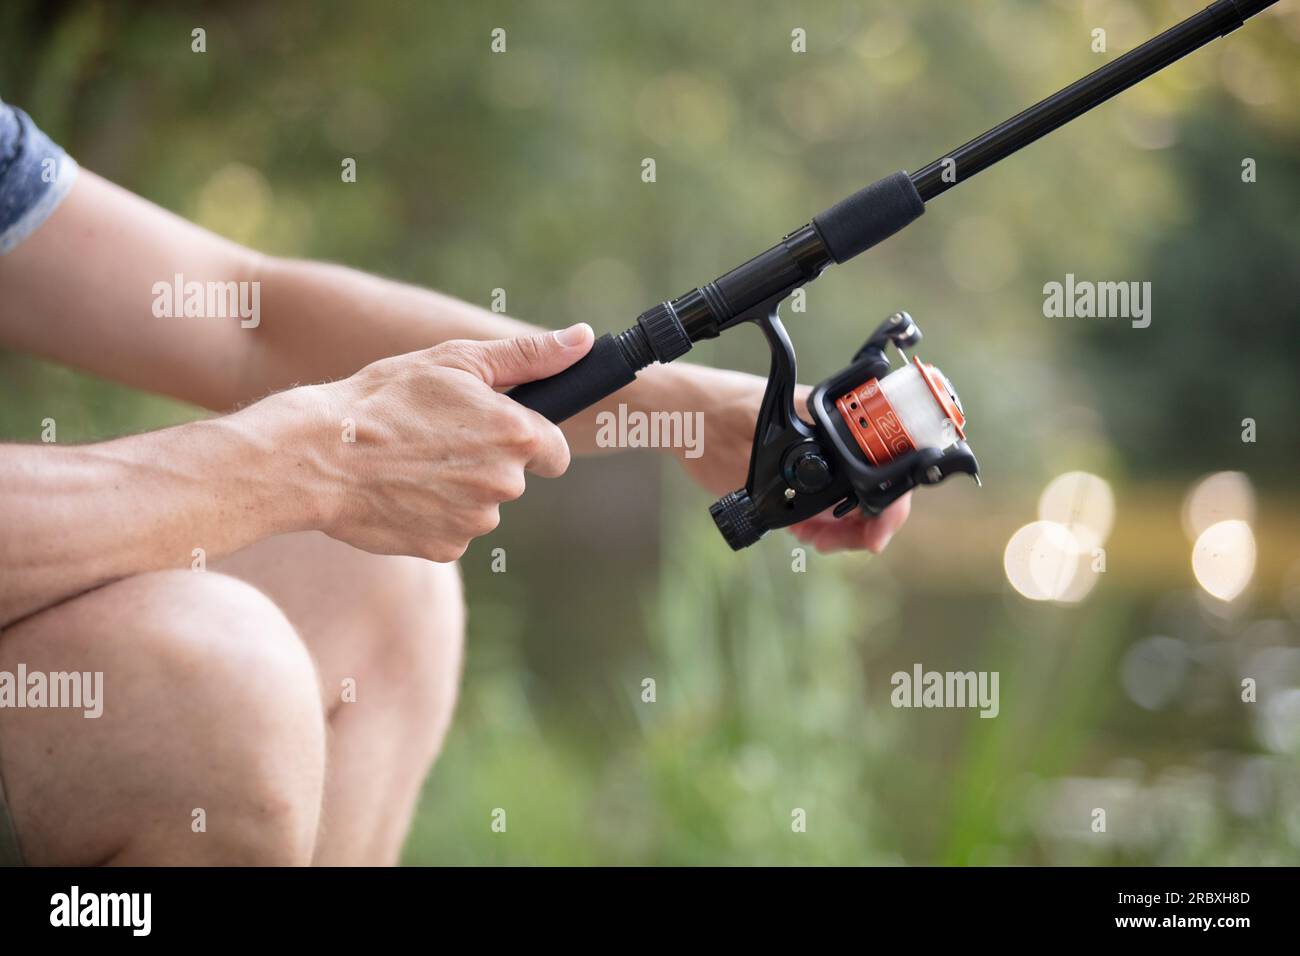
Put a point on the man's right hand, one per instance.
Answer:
(436, 449)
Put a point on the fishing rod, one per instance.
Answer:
(878, 430)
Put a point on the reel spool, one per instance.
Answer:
(912, 407)
(877, 432)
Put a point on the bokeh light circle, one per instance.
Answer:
(1153, 671)
(1042, 560)
(1083, 503)
(1223, 559)
(1222, 496)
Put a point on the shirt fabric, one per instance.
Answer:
(35, 175)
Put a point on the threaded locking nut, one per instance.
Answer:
(737, 519)
(667, 336)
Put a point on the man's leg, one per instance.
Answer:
(206, 684)
(386, 634)
(211, 746)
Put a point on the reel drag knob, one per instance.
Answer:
(737, 519)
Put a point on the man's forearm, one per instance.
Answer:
(73, 518)
(316, 322)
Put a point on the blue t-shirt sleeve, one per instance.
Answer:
(35, 175)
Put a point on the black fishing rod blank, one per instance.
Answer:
(1217, 20)
(878, 430)
(852, 226)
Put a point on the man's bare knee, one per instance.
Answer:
(211, 743)
(256, 724)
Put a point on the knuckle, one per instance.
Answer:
(457, 353)
(485, 521)
(563, 456)
(445, 350)
(444, 552)
(509, 486)
(518, 432)
(453, 347)
(475, 522)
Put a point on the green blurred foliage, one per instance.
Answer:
(522, 170)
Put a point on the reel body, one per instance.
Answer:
(877, 432)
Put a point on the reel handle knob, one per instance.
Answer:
(903, 331)
(900, 329)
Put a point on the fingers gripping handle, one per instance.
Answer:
(612, 363)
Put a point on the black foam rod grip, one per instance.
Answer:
(869, 216)
(601, 372)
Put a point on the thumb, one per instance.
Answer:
(505, 362)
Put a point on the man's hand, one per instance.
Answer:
(730, 402)
(437, 450)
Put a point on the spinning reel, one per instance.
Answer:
(877, 432)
